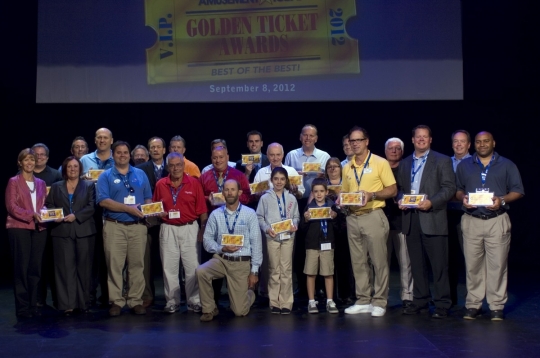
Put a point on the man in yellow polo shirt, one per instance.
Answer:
(367, 225)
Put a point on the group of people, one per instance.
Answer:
(215, 227)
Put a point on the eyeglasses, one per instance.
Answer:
(394, 149)
(358, 140)
(174, 166)
(333, 167)
(41, 155)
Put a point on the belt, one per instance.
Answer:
(234, 258)
(125, 222)
(488, 216)
(189, 223)
(363, 212)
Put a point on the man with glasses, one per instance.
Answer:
(42, 170)
(79, 147)
(347, 150)
(393, 150)
(214, 144)
(367, 225)
(177, 144)
(183, 202)
(120, 191)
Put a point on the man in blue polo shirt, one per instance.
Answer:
(120, 191)
(102, 157)
(486, 229)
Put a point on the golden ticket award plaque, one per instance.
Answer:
(282, 226)
(95, 173)
(351, 199)
(232, 240)
(259, 187)
(311, 167)
(319, 213)
(251, 159)
(218, 199)
(209, 40)
(51, 214)
(48, 190)
(295, 179)
(481, 199)
(152, 208)
(412, 201)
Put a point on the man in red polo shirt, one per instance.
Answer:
(183, 203)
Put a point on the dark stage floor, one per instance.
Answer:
(262, 334)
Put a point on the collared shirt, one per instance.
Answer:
(503, 177)
(456, 161)
(190, 201)
(344, 162)
(210, 166)
(191, 168)
(264, 174)
(209, 185)
(92, 161)
(246, 224)
(377, 176)
(113, 185)
(295, 158)
(418, 165)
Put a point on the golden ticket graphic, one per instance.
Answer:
(311, 167)
(152, 208)
(209, 40)
(481, 199)
(334, 189)
(51, 214)
(218, 199)
(295, 179)
(351, 198)
(259, 187)
(319, 213)
(251, 159)
(48, 190)
(412, 200)
(234, 240)
(95, 173)
(282, 226)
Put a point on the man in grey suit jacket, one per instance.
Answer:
(430, 173)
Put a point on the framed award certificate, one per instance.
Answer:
(351, 198)
(481, 199)
(51, 214)
(218, 199)
(95, 173)
(232, 240)
(295, 179)
(259, 187)
(251, 159)
(412, 201)
(311, 167)
(282, 226)
(152, 208)
(319, 213)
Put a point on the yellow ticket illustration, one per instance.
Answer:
(352, 198)
(51, 214)
(251, 159)
(152, 208)
(311, 167)
(95, 173)
(295, 179)
(234, 240)
(319, 213)
(334, 189)
(282, 226)
(259, 187)
(412, 200)
(209, 40)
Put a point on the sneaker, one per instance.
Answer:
(497, 315)
(331, 307)
(378, 311)
(195, 308)
(275, 310)
(207, 317)
(355, 309)
(312, 307)
(471, 313)
(170, 308)
(285, 311)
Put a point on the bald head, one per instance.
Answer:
(103, 140)
(275, 154)
(484, 144)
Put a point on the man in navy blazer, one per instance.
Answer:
(426, 227)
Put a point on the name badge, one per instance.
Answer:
(284, 236)
(129, 200)
(367, 170)
(413, 192)
(482, 190)
(326, 246)
(174, 214)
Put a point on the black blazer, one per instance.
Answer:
(82, 205)
(148, 169)
(264, 163)
(438, 182)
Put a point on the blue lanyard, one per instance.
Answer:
(175, 193)
(231, 230)
(361, 175)
(220, 187)
(282, 212)
(125, 179)
(413, 172)
(484, 170)
(324, 228)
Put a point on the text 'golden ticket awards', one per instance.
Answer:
(202, 40)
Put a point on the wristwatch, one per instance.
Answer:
(255, 273)
(373, 196)
(503, 203)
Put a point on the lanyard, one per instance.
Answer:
(414, 172)
(324, 228)
(125, 179)
(175, 193)
(361, 175)
(220, 187)
(231, 230)
(484, 170)
(282, 212)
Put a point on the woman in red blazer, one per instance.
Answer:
(25, 197)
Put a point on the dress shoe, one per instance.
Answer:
(68, 313)
(440, 313)
(147, 303)
(285, 311)
(36, 312)
(406, 303)
(207, 317)
(24, 315)
(139, 309)
(414, 309)
(471, 313)
(275, 310)
(115, 310)
(497, 315)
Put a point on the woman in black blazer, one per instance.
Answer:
(73, 237)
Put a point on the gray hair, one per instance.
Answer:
(41, 145)
(394, 139)
(173, 155)
(140, 146)
(275, 145)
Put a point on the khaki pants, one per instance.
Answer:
(236, 272)
(121, 242)
(280, 292)
(486, 244)
(398, 242)
(368, 235)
